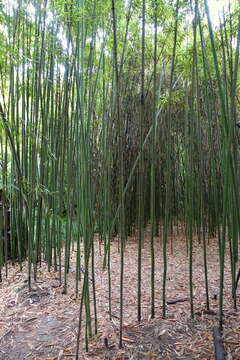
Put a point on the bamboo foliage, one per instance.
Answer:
(109, 124)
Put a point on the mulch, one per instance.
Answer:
(43, 323)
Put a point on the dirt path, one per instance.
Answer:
(43, 324)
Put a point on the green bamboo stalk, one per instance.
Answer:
(121, 168)
(153, 164)
(168, 170)
(141, 165)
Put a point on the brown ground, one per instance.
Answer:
(42, 324)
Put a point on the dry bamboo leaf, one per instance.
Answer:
(126, 339)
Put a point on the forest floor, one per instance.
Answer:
(42, 324)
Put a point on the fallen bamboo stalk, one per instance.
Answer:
(218, 344)
(171, 302)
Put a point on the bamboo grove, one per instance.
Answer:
(115, 116)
